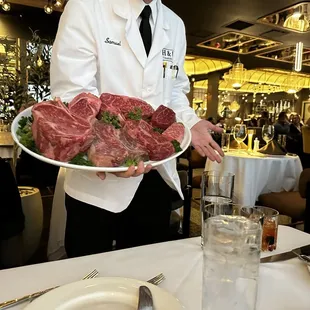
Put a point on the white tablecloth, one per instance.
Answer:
(259, 175)
(282, 286)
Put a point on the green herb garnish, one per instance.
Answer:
(107, 118)
(130, 162)
(156, 129)
(80, 159)
(24, 132)
(136, 114)
(176, 145)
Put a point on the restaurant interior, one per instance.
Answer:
(248, 65)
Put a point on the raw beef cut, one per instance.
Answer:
(58, 134)
(163, 117)
(110, 149)
(175, 132)
(86, 106)
(141, 133)
(127, 104)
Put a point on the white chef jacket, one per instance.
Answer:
(98, 48)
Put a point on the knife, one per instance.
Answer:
(278, 257)
(145, 299)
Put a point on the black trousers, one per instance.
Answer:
(92, 230)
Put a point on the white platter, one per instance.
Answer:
(103, 294)
(27, 112)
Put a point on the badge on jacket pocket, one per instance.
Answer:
(167, 55)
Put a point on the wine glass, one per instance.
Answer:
(240, 133)
(268, 133)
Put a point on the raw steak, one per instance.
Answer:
(110, 149)
(127, 104)
(175, 132)
(141, 133)
(58, 134)
(86, 106)
(163, 117)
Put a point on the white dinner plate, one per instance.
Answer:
(27, 112)
(103, 294)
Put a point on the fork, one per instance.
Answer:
(30, 297)
(156, 280)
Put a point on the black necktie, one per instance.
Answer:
(145, 28)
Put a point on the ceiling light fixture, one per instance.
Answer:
(58, 3)
(2, 2)
(299, 56)
(237, 75)
(48, 8)
(6, 6)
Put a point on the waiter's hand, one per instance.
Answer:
(131, 172)
(203, 142)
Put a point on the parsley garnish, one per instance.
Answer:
(79, 159)
(156, 129)
(176, 145)
(130, 162)
(110, 119)
(136, 114)
(24, 132)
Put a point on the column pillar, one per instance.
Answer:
(213, 92)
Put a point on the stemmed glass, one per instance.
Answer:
(268, 133)
(240, 133)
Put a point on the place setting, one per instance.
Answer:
(154, 155)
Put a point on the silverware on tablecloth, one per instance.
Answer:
(145, 299)
(303, 258)
(157, 280)
(30, 297)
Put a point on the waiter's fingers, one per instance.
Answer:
(209, 152)
(199, 149)
(127, 174)
(148, 168)
(101, 175)
(217, 148)
(140, 169)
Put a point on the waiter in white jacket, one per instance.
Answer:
(134, 48)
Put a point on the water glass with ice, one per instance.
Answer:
(231, 262)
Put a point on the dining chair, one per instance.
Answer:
(294, 204)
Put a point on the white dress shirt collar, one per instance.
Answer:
(138, 6)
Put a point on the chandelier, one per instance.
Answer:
(49, 7)
(292, 84)
(6, 6)
(237, 75)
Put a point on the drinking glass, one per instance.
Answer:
(225, 141)
(230, 263)
(270, 228)
(215, 186)
(282, 140)
(240, 133)
(268, 133)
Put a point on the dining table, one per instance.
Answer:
(257, 174)
(282, 285)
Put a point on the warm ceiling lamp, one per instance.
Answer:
(58, 3)
(2, 2)
(48, 8)
(237, 75)
(6, 6)
(291, 84)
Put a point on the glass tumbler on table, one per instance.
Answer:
(216, 186)
(270, 228)
(230, 263)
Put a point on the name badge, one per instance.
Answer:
(167, 54)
